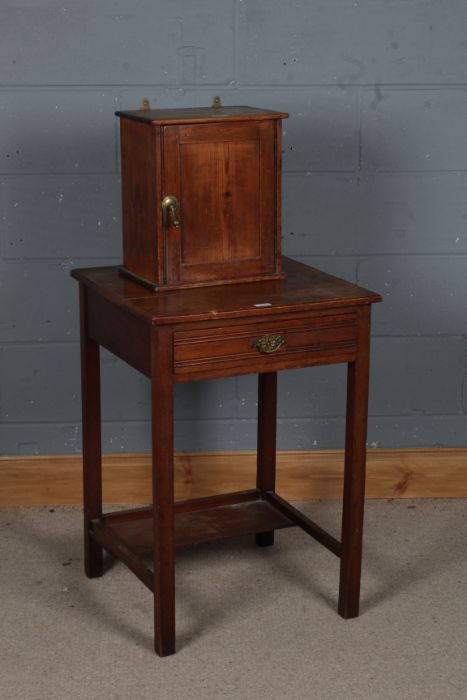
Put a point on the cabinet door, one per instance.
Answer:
(223, 177)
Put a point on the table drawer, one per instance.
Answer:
(272, 343)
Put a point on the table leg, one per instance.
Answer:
(266, 454)
(92, 448)
(354, 474)
(163, 491)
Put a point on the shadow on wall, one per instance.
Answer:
(398, 201)
(397, 223)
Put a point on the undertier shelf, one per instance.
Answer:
(199, 526)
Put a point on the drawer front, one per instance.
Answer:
(266, 345)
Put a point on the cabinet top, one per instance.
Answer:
(194, 115)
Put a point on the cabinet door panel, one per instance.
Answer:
(243, 184)
(224, 179)
(201, 179)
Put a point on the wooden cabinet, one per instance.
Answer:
(201, 193)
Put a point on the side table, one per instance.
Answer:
(309, 318)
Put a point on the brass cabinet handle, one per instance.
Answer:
(170, 206)
(268, 343)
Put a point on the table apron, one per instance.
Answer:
(211, 349)
(123, 334)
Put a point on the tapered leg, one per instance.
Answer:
(266, 455)
(92, 467)
(354, 475)
(163, 491)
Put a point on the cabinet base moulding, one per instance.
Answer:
(301, 475)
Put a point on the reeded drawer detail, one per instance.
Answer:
(269, 342)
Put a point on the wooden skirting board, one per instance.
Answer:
(409, 473)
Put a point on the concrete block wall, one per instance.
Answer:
(375, 191)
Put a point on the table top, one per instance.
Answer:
(304, 289)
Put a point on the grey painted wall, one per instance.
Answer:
(375, 190)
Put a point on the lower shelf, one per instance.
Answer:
(128, 535)
(199, 526)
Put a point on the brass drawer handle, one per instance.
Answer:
(169, 207)
(268, 343)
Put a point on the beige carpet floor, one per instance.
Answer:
(252, 623)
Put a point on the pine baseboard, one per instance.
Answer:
(301, 475)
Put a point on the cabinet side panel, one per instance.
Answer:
(140, 201)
